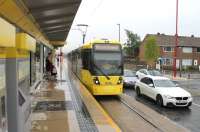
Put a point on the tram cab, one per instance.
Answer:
(100, 66)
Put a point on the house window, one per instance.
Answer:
(198, 49)
(187, 50)
(187, 62)
(168, 49)
(167, 61)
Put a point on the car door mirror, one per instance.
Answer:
(137, 76)
(151, 85)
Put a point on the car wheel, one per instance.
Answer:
(159, 100)
(138, 93)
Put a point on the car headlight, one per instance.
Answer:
(168, 97)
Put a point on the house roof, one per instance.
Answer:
(169, 40)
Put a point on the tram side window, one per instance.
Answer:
(86, 59)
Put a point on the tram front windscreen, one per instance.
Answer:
(108, 61)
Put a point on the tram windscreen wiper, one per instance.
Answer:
(102, 71)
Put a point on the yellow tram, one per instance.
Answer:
(99, 65)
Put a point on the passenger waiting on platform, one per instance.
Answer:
(50, 68)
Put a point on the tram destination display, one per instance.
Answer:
(106, 47)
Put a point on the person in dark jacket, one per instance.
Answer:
(49, 64)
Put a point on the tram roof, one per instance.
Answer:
(89, 44)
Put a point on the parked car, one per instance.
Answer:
(163, 91)
(144, 72)
(129, 78)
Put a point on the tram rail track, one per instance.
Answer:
(130, 115)
(139, 114)
(127, 117)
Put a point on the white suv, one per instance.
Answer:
(163, 91)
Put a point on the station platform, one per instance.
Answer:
(64, 105)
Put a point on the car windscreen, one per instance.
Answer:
(129, 73)
(154, 73)
(164, 83)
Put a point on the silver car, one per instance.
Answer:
(129, 78)
(144, 72)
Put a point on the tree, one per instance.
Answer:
(131, 47)
(151, 51)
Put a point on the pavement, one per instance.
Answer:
(184, 75)
(52, 107)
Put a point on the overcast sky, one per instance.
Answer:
(140, 16)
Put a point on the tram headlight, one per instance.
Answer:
(120, 80)
(96, 81)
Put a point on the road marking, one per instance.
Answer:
(196, 104)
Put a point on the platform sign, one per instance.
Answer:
(3, 119)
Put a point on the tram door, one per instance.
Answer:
(3, 118)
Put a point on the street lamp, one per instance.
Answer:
(119, 31)
(83, 29)
(176, 41)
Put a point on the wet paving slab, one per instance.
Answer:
(188, 118)
(44, 106)
(56, 107)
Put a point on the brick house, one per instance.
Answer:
(188, 52)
